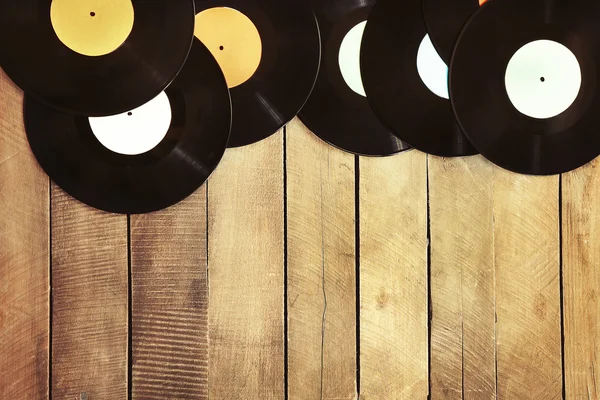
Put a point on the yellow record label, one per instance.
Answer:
(92, 27)
(233, 40)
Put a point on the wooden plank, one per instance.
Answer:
(526, 252)
(90, 301)
(24, 257)
(170, 302)
(246, 273)
(393, 277)
(321, 268)
(463, 359)
(581, 281)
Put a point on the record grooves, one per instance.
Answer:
(393, 36)
(291, 52)
(34, 57)
(334, 111)
(68, 151)
(480, 92)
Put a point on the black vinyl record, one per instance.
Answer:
(444, 20)
(148, 60)
(288, 67)
(394, 87)
(67, 149)
(335, 112)
(551, 45)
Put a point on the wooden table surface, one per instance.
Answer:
(302, 272)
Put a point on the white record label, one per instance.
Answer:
(543, 79)
(432, 69)
(349, 58)
(137, 131)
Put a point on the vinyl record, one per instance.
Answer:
(527, 97)
(406, 81)
(337, 110)
(444, 20)
(269, 51)
(94, 57)
(80, 153)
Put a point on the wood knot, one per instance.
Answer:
(382, 299)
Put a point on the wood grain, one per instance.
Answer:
(321, 268)
(463, 359)
(24, 257)
(581, 281)
(90, 301)
(393, 277)
(246, 273)
(170, 302)
(526, 252)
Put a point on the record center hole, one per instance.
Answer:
(221, 48)
(543, 79)
(93, 14)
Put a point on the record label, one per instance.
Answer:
(92, 27)
(349, 58)
(233, 40)
(137, 131)
(432, 69)
(543, 79)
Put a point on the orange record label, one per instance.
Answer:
(92, 27)
(233, 40)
